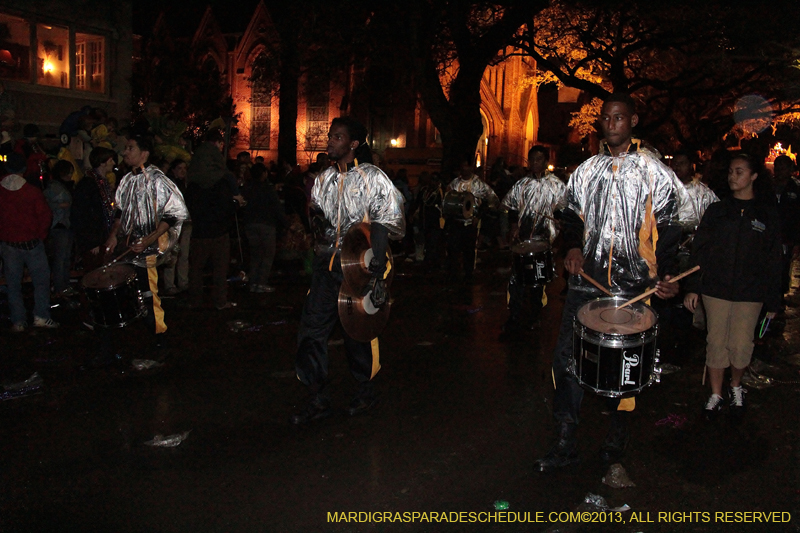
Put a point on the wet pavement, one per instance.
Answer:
(462, 417)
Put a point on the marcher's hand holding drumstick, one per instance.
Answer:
(666, 290)
(574, 261)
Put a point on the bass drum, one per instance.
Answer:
(459, 205)
(614, 350)
(112, 295)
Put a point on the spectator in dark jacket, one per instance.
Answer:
(211, 204)
(92, 212)
(59, 197)
(24, 222)
(738, 248)
(262, 214)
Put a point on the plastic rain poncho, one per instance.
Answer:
(621, 201)
(362, 194)
(144, 200)
(536, 199)
(479, 189)
(701, 197)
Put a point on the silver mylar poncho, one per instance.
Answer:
(701, 197)
(621, 201)
(144, 200)
(536, 199)
(479, 189)
(364, 191)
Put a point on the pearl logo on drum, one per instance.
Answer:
(628, 362)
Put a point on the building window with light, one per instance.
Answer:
(15, 48)
(317, 123)
(261, 104)
(89, 62)
(52, 55)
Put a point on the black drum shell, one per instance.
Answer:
(117, 305)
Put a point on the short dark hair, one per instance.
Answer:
(63, 168)
(214, 136)
(783, 159)
(541, 149)
(144, 142)
(621, 98)
(100, 155)
(685, 153)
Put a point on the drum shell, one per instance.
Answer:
(458, 204)
(533, 269)
(614, 365)
(115, 306)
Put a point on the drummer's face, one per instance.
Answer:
(538, 163)
(339, 143)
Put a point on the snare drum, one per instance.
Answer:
(458, 205)
(533, 263)
(614, 350)
(112, 295)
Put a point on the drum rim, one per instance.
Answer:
(131, 276)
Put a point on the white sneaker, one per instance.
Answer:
(49, 323)
(19, 327)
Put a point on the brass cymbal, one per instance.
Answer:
(356, 255)
(360, 319)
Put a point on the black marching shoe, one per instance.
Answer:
(364, 400)
(318, 409)
(361, 404)
(563, 453)
(613, 447)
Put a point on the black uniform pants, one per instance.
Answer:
(461, 243)
(320, 315)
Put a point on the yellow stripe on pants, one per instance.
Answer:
(158, 312)
(376, 357)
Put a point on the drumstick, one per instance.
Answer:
(593, 282)
(654, 289)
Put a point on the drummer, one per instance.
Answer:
(462, 234)
(621, 227)
(534, 199)
(149, 213)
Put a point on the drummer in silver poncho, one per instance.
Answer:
(534, 199)
(350, 192)
(620, 226)
(149, 214)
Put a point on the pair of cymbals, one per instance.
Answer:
(360, 319)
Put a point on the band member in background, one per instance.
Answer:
(699, 193)
(787, 191)
(533, 199)
(149, 213)
(349, 192)
(620, 227)
(462, 235)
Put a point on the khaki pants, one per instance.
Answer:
(730, 332)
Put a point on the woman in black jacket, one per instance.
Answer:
(737, 246)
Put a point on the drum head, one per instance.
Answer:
(530, 247)
(108, 277)
(602, 315)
